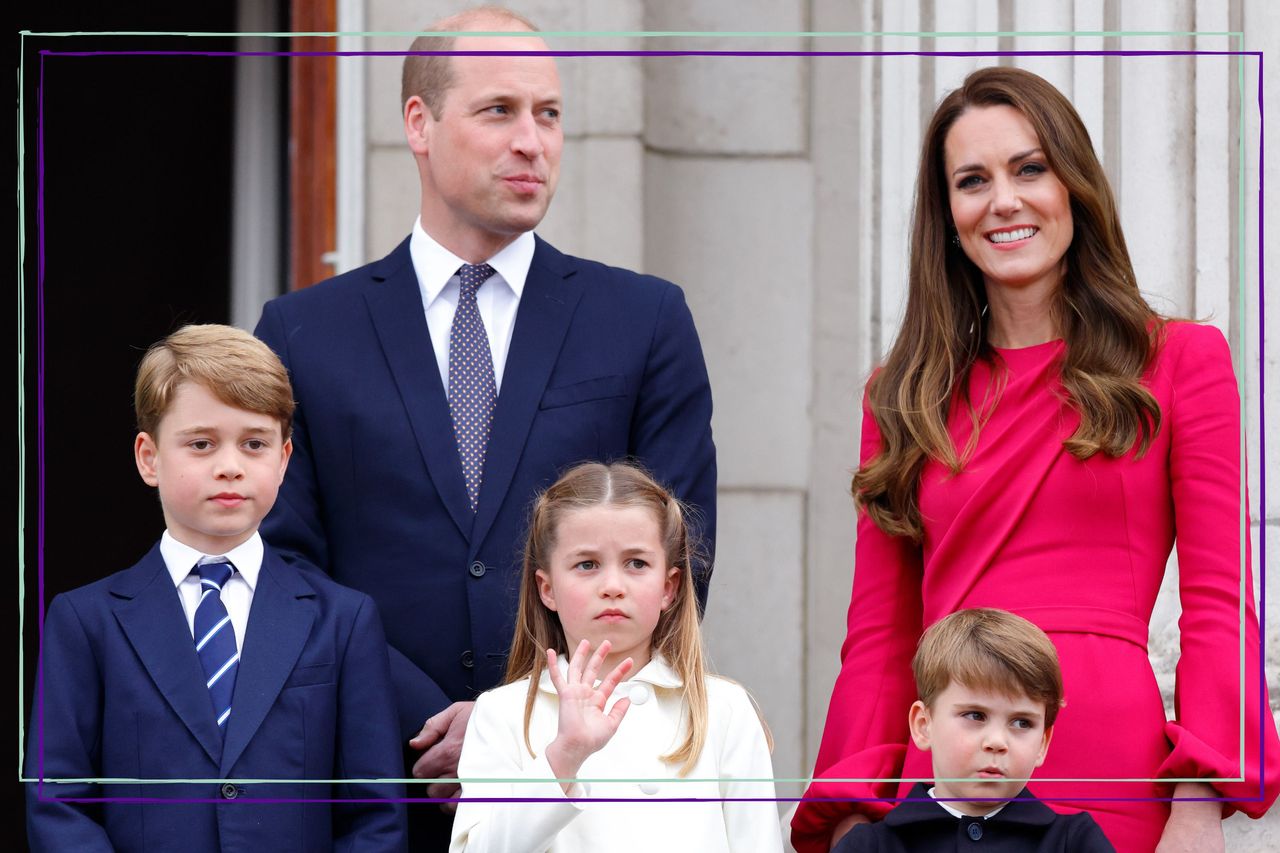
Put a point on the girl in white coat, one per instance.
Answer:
(668, 758)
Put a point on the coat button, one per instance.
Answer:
(477, 569)
(638, 694)
(229, 791)
(468, 659)
(649, 788)
(975, 831)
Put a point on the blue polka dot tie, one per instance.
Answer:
(216, 638)
(472, 389)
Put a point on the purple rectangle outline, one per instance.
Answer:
(40, 324)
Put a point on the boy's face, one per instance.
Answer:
(984, 744)
(217, 467)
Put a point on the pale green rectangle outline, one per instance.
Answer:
(1238, 358)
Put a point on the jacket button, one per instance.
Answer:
(477, 569)
(229, 791)
(468, 659)
(975, 831)
(649, 788)
(638, 694)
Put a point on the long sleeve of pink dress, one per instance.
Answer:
(1079, 548)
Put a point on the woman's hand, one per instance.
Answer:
(1193, 827)
(584, 726)
(843, 827)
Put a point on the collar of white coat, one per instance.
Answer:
(656, 672)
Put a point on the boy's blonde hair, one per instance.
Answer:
(988, 649)
(232, 364)
(676, 636)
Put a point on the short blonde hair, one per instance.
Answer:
(232, 364)
(988, 649)
(430, 76)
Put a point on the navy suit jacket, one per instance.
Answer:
(121, 694)
(1024, 825)
(604, 364)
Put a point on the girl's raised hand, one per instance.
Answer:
(584, 726)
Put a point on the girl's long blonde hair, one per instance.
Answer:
(676, 637)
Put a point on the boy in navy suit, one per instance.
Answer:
(212, 660)
(990, 688)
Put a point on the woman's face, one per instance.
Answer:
(1012, 214)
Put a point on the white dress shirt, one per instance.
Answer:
(734, 763)
(497, 299)
(955, 812)
(237, 594)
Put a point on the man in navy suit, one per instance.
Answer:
(423, 433)
(212, 659)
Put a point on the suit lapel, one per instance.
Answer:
(395, 304)
(280, 621)
(551, 293)
(150, 614)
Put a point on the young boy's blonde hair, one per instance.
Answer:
(988, 649)
(230, 363)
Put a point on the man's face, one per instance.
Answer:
(490, 163)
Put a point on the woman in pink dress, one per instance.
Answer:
(1033, 441)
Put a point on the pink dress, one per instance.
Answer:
(1078, 548)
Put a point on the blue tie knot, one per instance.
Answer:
(471, 276)
(215, 575)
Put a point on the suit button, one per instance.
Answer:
(468, 659)
(229, 791)
(477, 569)
(975, 831)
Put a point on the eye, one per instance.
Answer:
(968, 182)
(200, 444)
(551, 114)
(1031, 170)
(585, 565)
(637, 563)
(975, 716)
(1023, 723)
(255, 444)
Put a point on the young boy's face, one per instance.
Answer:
(217, 467)
(983, 744)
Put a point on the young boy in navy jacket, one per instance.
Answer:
(212, 661)
(990, 688)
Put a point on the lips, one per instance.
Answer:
(1013, 234)
(611, 616)
(228, 499)
(524, 183)
(990, 773)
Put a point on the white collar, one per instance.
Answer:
(180, 558)
(957, 813)
(656, 672)
(434, 265)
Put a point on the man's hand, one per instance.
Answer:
(441, 738)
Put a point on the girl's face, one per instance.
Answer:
(1012, 214)
(609, 579)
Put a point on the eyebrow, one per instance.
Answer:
(198, 428)
(975, 167)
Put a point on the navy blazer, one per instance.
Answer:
(121, 695)
(604, 364)
(1024, 825)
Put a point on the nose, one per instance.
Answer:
(994, 740)
(525, 138)
(227, 464)
(611, 583)
(1005, 200)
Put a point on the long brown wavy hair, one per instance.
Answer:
(1109, 330)
(676, 637)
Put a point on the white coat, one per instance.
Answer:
(734, 763)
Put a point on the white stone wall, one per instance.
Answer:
(777, 191)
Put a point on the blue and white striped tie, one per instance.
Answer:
(216, 639)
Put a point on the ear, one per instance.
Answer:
(144, 455)
(1044, 746)
(545, 590)
(670, 586)
(919, 723)
(417, 125)
(285, 452)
